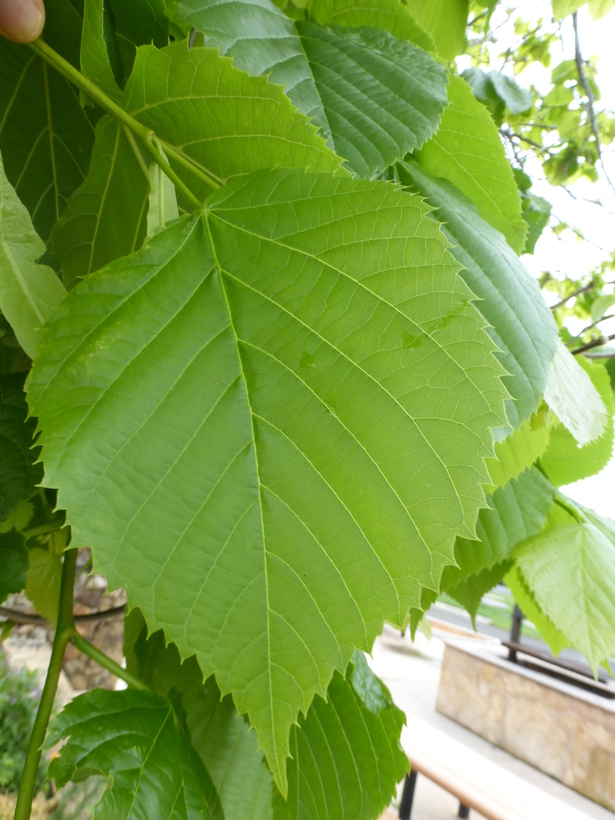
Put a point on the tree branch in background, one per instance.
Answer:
(578, 292)
(589, 327)
(596, 343)
(25, 618)
(578, 57)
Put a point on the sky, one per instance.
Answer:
(568, 254)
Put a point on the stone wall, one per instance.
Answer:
(565, 732)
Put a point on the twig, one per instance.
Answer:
(26, 618)
(601, 355)
(596, 343)
(589, 327)
(572, 295)
(64, 631)
(107, 663)
(578, 58)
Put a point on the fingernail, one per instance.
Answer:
(21, 20)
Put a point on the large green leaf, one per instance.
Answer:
(107, 216)
(571, 395)
(467, 150)
(220, 736)
(13, 564)
(597, 8)
(346, 755)
(45, 135)
(176, 92)
(521, 323)
(375, 97)
(445, 20)
(291, 428)
(137, 740)
(521, 448)
(570, 569)
(19, 475)
(564, 461)
(390, 15)
(519, 511)
(29, 293)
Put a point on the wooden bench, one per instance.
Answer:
(475, 781)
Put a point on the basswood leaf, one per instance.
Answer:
(519, 511)
(469, 592)
(445, 20)
(107, 216)
(176, 92)
(564, 461)
(138, 23)
(570, 569)
(13, 563)
(468, 152)
(19, 475)
(294, 398)
(98, 48)
(597, 8)
(390, 15)
(569, 392)
(374, 96)
(346, 755)
(521, 323)
(29, 293)
(138, 742)
(554, 639)
(46, 136)
(221, 737)
(45, 574)
(521, 448)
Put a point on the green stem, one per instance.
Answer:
(106, 662)
(64, 631)
(175, 179)
(570, 508)
(144, 133)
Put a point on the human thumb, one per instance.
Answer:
(22, 20)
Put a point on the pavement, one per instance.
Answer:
(411, 670)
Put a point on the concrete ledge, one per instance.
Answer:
(566, 732)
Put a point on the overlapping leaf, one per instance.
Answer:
(524, 598)
(571, 395)
(564, 461)
(13, 563)
(346, 755)
(46, 136)
(19, 475)
(374, 96)
(136, 739)
(570, 569)
(521, 448)
(521, 323)
(293, 397)
(107, 216)
(519, 511)
(445, 20)
(221, 737)
(176, 92)
(99, 48)
(29, 292)
(469, 592)
(468, 152)
(390, 15)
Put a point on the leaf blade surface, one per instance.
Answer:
(295, 296)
